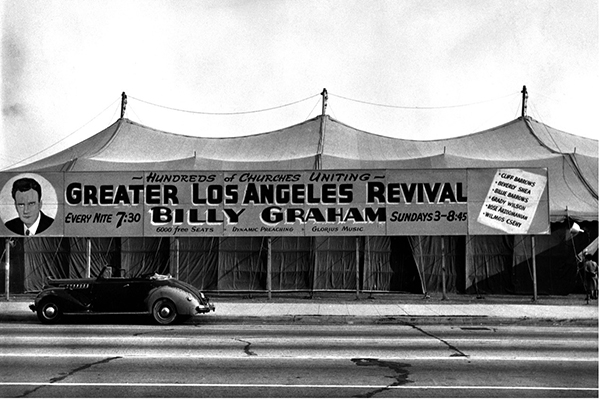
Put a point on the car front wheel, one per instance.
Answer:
(164, 311)
(49, 311)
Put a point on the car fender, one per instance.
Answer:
(70, 302)
(184, 301)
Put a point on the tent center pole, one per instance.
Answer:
(524, 102)
(123, 104)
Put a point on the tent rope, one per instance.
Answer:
(423, 107)
(313, 109)
(65, 138)
(226, 113)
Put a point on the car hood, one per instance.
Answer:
(50, 282)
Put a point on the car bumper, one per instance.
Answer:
(205, 308)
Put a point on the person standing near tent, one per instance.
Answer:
(590, 273)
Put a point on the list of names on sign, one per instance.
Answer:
(512, 200)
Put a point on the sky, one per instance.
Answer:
(410, 69)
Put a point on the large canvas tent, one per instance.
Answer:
(491, 264)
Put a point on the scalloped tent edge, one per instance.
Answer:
(325, 143)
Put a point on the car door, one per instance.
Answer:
(119, 295)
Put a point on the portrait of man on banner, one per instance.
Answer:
(27, 196)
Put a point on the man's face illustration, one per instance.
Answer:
(28, 206)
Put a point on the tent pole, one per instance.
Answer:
(367, 263)
(315, 258)
(444, 296)
(524, 102)
(357, 267)
(269, 268)
(7, 269)
(88, 267)
(421, 268)
(467, 264)
(177, 258)
(123, 104)
(535, 294)
(321, 131)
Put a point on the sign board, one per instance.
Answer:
(277, 203)
(511, 202)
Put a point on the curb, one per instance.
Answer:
(475, 320)
(19, 312)
(478, 320)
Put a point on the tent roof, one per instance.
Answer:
(324, 143)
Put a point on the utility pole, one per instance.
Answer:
(524, 102)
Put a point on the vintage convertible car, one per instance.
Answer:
(165, 298)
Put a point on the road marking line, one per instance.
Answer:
(87, 339)
(259, 357)
(275, 385)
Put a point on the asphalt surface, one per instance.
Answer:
(378, 308)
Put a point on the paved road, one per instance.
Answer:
(141, 360)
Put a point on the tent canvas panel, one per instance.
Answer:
(497, 265)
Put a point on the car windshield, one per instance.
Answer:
(160, 277)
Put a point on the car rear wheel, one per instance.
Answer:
(49, 311)
(164, 311)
